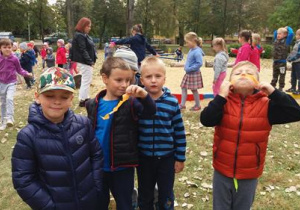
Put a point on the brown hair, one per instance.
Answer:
(247, 35)
(5, 42)
(138, 28)
(220, 42)
(152, 60)
(193, 37)
(113, 63)
(82, 24)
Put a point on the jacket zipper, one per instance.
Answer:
(111, 147)
(71, 164)
(238, 138)
(153, 137)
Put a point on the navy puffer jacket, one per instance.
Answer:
(57, 166)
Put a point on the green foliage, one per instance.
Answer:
(268, 49)
(235, 46)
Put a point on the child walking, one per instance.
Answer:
(294, 57)
(114, 113)
(26, 63)
(243, 114)
(220, 63)
(61, 58)
(192, 79)
(50, 58)
(162, 149)
(257, 51)
(57, 161)
(244, 52)
(9, 67)
(283, 38)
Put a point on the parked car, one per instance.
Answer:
(52, 38)
(7, 35)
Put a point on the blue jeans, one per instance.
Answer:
(121, 184)
(7, 92)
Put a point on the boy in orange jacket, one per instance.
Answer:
(243, 114)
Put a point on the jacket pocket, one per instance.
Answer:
(257, 155)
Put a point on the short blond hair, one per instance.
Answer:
(244, 63)
(193, 37)
(148, 61)
(282, 30)
(256, 38)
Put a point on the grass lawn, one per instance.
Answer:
(278, 188)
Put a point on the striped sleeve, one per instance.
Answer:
(179, 136)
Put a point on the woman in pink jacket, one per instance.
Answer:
(244, 52)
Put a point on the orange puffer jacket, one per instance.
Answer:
(240, 140)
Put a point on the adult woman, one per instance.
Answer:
(84, 53)
(138, 43)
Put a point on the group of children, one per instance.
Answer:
(65, 161)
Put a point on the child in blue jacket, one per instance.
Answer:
(57, 161)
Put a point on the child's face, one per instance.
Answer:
(281, 35)
(241, 40)
(55, 103)
(153, 78)
(48, 51)
(190, 44)
(216, 48)
(58, 44)
(117, 82)
(244, 78)
(6, 50)
(297, 36)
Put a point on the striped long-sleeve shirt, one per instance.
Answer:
(164, 133)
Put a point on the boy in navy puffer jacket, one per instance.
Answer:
(56, 162)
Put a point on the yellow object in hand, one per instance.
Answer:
(249, 76)
(125, 97)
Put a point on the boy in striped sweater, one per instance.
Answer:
(162, 140)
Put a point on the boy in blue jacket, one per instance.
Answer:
(114, 113)
(57, 161)
(162, 141)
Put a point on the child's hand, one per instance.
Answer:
(178, 166)
(266, 87)
(30, 75)
(136, 91)
(225, 88)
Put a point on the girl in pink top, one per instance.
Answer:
(256, 52)
(244, 52)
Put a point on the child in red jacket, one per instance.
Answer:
(61, 58)
(243, 114)
(44, 53)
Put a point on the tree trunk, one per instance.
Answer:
(181, 35)
(224, 18)
(70, 19)
(130, 15)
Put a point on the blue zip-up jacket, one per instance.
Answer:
(138, 44)
(163, 134)
(57, 166)
(194, 60)
(294, 56)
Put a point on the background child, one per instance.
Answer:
(44, 53)
(32, 53)
(9, 67)
(26, 63)
(167, 138)
(294, 57)
(283, 37)
(220, 63)
(192, 79)
(244, 52)
(117, 131)
(50, 58)
(61, 58)
(56, 162)
(108, 50)
(257, 51)
(179, 54)
(240, 140)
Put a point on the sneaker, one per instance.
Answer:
(195, 108)
(3, 126)
(290, 90)
(182, 106)
(296, 92)
(10, 123)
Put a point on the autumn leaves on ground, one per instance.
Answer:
(278, 188)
